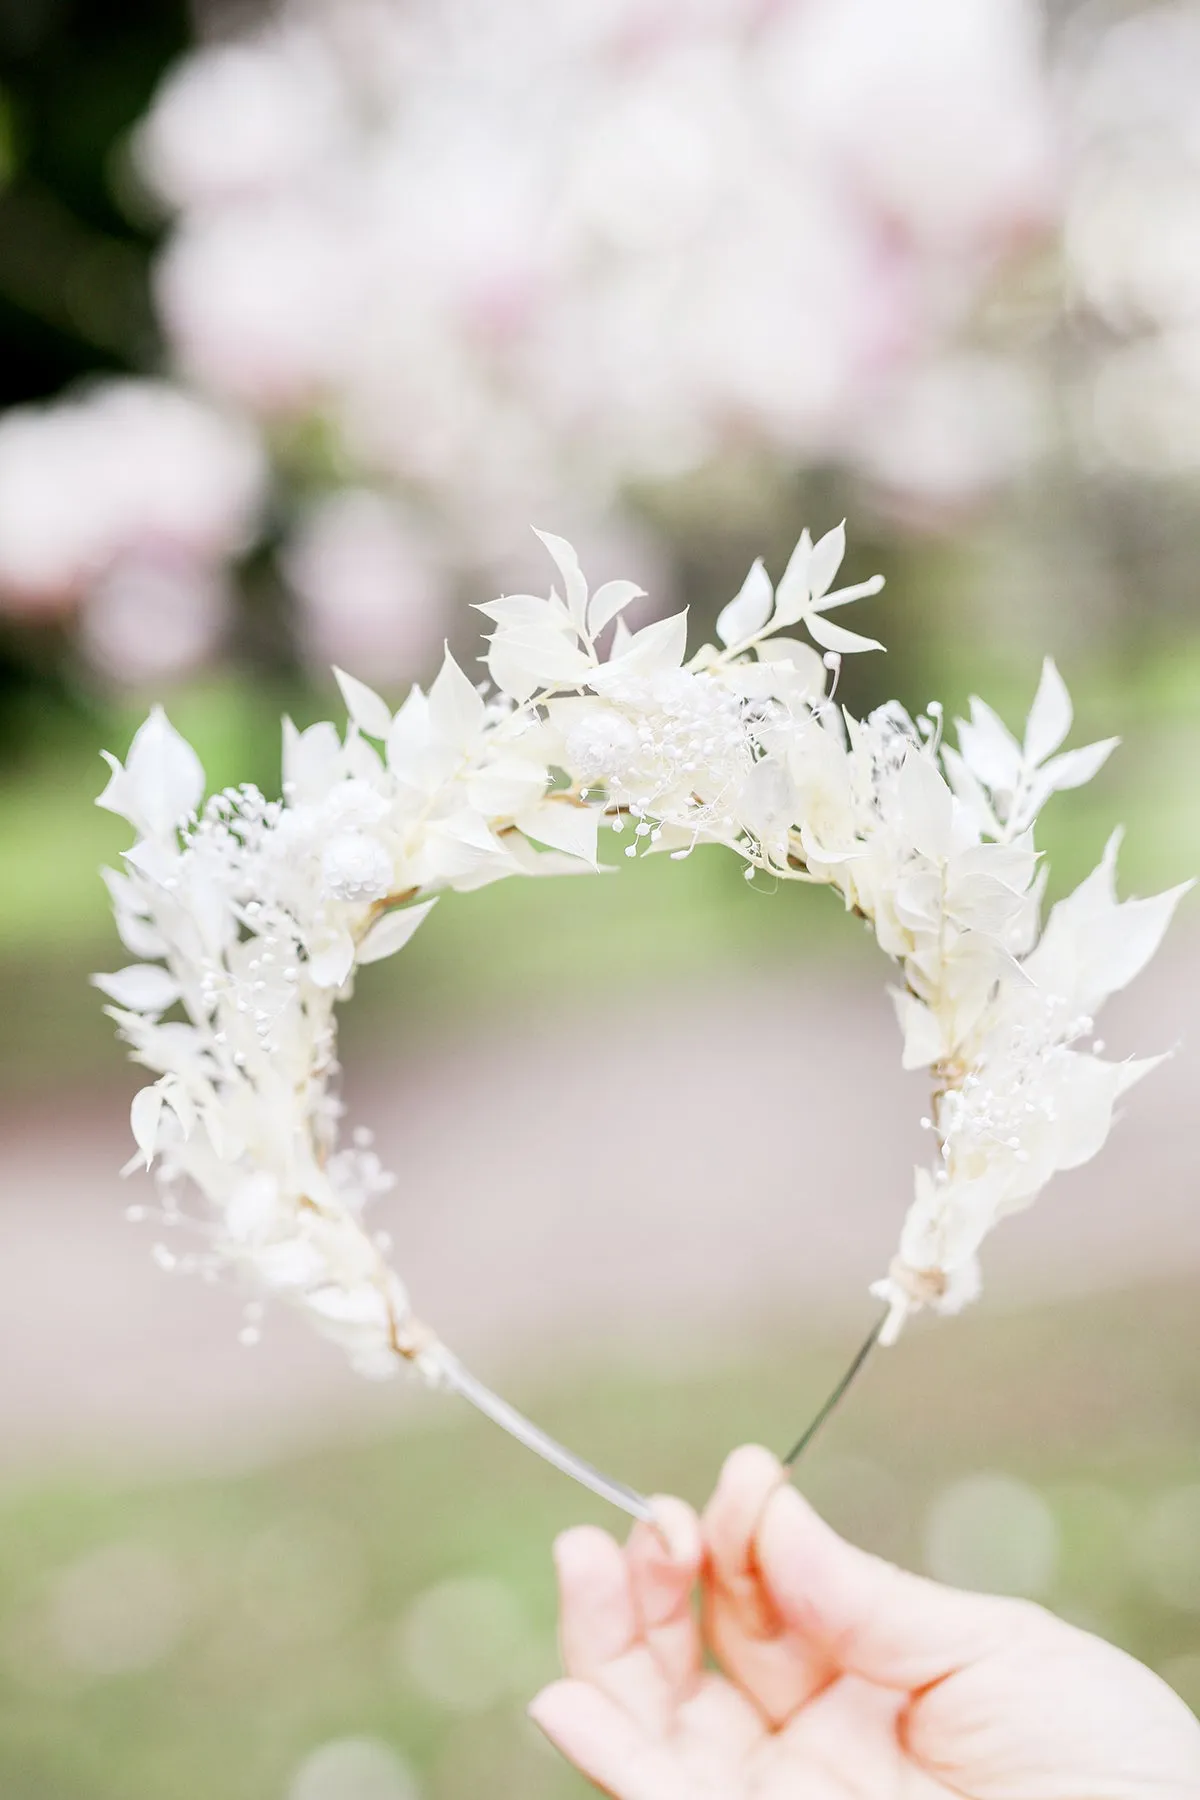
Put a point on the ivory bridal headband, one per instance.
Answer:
(251, 917)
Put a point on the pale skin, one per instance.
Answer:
(838, 1676)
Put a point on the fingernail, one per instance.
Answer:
(676, 1528)
(569, 1547)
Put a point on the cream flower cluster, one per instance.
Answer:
(250, 917)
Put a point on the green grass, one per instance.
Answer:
(292, 1588)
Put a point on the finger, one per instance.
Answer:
(598, 1621)
(601, 1631)
(862, 1614)
(748, 1634)
(663, 1567)
(747, 1481)
(602, 1741)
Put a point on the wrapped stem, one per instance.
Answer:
(836, 1396)
(451, 1373)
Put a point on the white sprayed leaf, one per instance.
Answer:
(124, 893)
(572, 829)
(455, 708)
(310, 760)
(835, 637)
(409, 732)
(622, 637)
(116, 797)
(331, 960)
(859, 590)
(138, 935)
(505, 784)
(750, 608)
(926, 806)
(792, 595)
(164, 778)
(393, 931)
(969, 791)
(654, 650)
(610, 599)
(1094, 945)
(534, 656)
(826, 560)
(145, 1115)
(568, 564)
(1049, 717)
(1074, 768)
(525, 609)
(511, 670)
(924, 1043)
(989, 749)
(370, 713)
(142, 987)
(531, 861)
(1136, 1068)
(180, 1103)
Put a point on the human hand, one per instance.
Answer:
(839, 1675)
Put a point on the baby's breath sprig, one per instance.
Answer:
(250, 917)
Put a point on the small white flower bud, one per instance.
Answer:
(599, 745)
(355, 866)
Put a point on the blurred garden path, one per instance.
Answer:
(666, 1181)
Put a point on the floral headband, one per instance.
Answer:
(251, 916)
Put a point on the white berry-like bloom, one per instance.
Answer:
(355, 866)
(249, 916)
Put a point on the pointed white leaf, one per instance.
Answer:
(124, 893)
(370, 713)
(456, 709)
(792, 595)
(1094, 945)
(925, 806)
(331, 960)
(826, 560)
(180, 1103)
(142, 987)
(138, 935)
(525, 609)
(859, 590)
(530, 861)
(572, 829)
(1074, 768)
(393, 930)
(969, 791)
(924, 1043)
(654, 650)
(750, 608)
(610, 599)
(1049, 717)
(511, 670)
(163, 778)
(568, 563)
(115, 797)
(145, 1115)
(310, 760)
(989, 749)
(835, 637)
(408, 734)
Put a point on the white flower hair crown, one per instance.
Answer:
(250, 917)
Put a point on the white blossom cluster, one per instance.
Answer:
(250, 916)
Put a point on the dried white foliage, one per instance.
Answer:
(250, 916)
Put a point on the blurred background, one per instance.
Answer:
(307, 312)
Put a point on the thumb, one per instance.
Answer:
(866, 1616)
